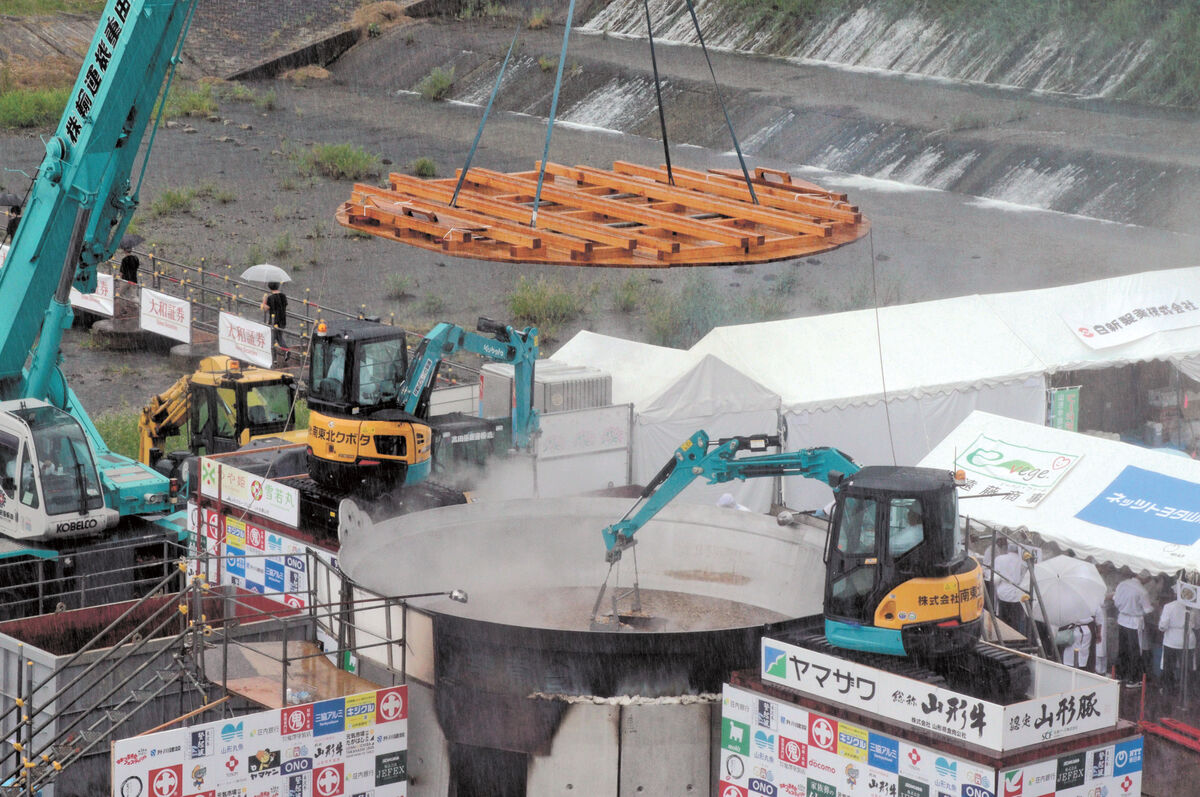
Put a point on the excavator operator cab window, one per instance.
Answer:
(856, 527)
(268, 404)
(226, 414)
(854, 564)
(947, 537)
(329, 369)
(10, 447)
(381, 369)
(906, 526)
(63, 461)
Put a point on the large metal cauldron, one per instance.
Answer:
(505, 664)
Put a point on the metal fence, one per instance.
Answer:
(211, 290)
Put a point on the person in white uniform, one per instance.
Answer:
(1133, 604)
(1173, 622)
(1009, 572)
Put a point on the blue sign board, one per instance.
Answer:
(1148, 504)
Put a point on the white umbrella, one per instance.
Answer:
(266, 272)
(1072, 590)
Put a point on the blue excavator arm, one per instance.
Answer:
(78, 208)
(695, 459)
(506, 345)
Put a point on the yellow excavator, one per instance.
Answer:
(224, 406)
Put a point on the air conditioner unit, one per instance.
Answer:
(556, 388)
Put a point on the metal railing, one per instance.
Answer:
(213, 289)
(55, 592)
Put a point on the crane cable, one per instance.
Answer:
(562, 59)
(662, 119)
(887, 410)
(486, 112)
(720, 98)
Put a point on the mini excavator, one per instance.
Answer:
(369, 432)
(898, 579)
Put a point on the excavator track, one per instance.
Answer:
(985, 671)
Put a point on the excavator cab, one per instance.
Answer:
(49, 483)
(360, 440)
(898, 578)
(225, 415)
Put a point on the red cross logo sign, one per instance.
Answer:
(393, 704)
(327, 781)
(166, 782)
(824, 735)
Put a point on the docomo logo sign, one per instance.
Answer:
(823, 733)
(327, 781)
(392, 704)
(166, 782)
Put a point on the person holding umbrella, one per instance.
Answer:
(274, 302)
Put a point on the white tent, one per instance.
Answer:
(939, 361)
(1120, 487)
(638, 370)
(1034, 316)
(722, 401)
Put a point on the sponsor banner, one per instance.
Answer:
(1132, 317)
(1022, 474)
(831, 757)
(166, 315)
(241, 489)
(296, 751)
(100, 302)
(1149, 505)
(932, 708)
(1095, 772)
(244, 340)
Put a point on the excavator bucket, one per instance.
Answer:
(632, 216)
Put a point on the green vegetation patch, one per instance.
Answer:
(544, 303)
(29, 8)
(682, 318)
(32, 107)
(437, 84)
(339, 161)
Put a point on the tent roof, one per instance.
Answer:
(711, 387)
(834, 360)
(1034, 317)
(1054, 518)
(639, 370)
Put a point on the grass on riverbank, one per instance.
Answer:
(32, 8)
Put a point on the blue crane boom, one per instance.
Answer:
(693, 459)
(78, 208)
(508, 345)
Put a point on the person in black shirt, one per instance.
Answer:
(275, 303)
(14, 218)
